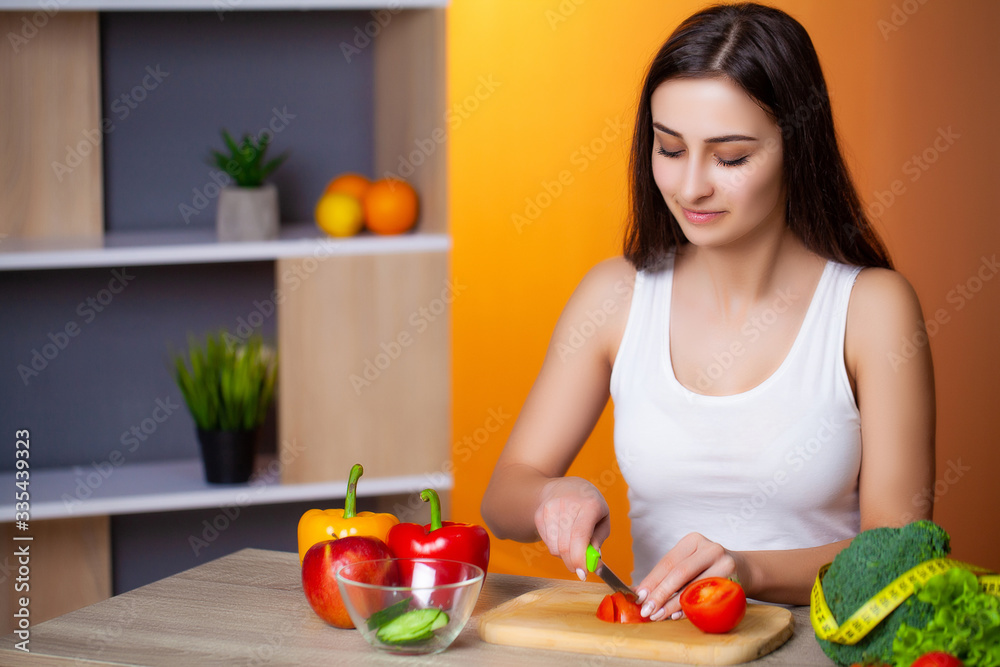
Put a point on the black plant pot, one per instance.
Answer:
(227, 455)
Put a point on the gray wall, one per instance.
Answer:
(108, 377)
(187, 75)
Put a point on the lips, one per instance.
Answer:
(700, 217)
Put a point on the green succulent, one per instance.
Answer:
(229, 383)
(245, 162)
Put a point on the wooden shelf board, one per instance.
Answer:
(199, 247)
(166, 486)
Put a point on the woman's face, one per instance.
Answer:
(717, 160)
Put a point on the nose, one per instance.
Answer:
(697, 183)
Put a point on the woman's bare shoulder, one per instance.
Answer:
(614, 276)
(599, 306)
(884, 293)
(883, 316)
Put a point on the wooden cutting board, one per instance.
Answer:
(564, 618)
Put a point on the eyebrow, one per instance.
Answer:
(711, 140)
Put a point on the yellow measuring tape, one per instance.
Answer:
(883, 603)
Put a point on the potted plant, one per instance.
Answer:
(228, 386)
(248, 210)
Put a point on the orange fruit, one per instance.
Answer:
(391, 206)
(339, 214)
(351, 184)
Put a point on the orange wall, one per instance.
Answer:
(533, 85)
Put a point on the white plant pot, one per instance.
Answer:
(247, 214)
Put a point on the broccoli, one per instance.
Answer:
(873, 560)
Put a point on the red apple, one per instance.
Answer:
(319, 568)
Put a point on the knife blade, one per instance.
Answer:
(607, 575)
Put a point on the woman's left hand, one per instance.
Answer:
(693, 557)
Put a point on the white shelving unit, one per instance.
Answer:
(138, 248)
(363, 297)
(165, 486)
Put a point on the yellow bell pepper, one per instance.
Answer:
(322, 525)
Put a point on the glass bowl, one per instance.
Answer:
(410, 606)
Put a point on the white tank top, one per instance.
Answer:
(775, 467)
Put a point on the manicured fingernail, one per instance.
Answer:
(658, 616)
(676, 615)
(581, 574)
(641, 595)
(646, 609)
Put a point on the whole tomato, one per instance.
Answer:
(617, 608)
(937, 659)
(714, 605)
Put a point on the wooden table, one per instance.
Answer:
(248, 609)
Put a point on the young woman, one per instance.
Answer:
(763, 411)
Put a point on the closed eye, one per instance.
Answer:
(718, 160)
(664, 152)
(731, 163)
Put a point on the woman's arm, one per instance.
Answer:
(889, 363)
(528, 498)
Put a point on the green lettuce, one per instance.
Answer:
(966, 623)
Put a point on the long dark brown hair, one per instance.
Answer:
(771, 57)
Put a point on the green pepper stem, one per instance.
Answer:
(351, 501)
(431, 496)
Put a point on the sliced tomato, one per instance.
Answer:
(606, 610)
(937, 659)
(617, 608)
(714, 604)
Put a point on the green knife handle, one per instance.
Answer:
(593, 555)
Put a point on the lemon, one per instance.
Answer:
(339, 214)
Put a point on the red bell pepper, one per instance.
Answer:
(451, 540)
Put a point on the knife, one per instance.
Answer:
(596, 565)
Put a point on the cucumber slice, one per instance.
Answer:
(414, 626)
(439, 622)
(383, 616)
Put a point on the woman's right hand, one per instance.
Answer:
(572, 514)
